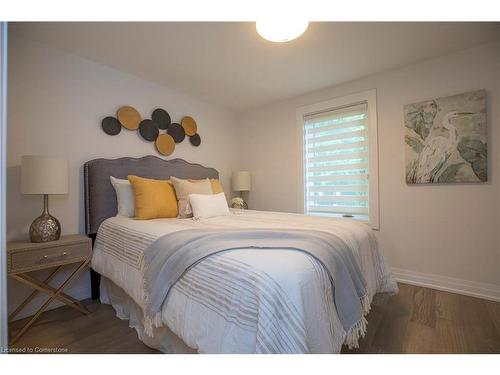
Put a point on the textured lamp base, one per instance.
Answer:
(45, 228)
(241, 206)
(238, 203)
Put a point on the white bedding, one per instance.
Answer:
(203, 309)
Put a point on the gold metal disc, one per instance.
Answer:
(189, 125)
(129, 117)
(165, 144)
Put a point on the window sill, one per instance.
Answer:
(361, 218)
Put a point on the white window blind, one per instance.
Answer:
(336, 162)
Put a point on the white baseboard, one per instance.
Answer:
(448, 284)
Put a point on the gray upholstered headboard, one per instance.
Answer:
(100, 197)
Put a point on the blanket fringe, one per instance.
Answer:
(365, 304)
(143, 269)
(154, 322)
(356, 332)
(149, 324)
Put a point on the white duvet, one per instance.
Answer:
(206, 309)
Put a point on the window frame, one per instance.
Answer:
(370, 97)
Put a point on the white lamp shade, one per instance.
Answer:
(241, 181)
(43, 175)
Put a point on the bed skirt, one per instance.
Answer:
(164, 339)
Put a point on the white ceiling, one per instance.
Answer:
(230, 65)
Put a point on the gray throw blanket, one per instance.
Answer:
(168, 258)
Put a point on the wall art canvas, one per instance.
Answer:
(445, 139)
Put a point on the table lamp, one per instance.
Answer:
(241, 181)
(44, 175)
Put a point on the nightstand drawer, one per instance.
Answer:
(48, 256)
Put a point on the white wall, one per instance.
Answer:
(56, 103)
(451, 231)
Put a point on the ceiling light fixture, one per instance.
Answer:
(281, 31)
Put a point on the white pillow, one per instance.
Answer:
(124, 196)
(205, 206)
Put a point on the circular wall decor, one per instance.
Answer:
(161, 118)
(111, 125)
(195, 140)
(177, 132)
(148, 130)
(189, 125)
(129, 117)
(165, 144)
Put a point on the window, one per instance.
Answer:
(339, 158)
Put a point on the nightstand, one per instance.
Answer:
(25, 257)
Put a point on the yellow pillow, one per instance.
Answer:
(153, 198)
(216, 185)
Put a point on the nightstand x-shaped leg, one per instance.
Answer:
(54, 293)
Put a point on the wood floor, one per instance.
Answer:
(417, 320)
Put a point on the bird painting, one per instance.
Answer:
(446, 143)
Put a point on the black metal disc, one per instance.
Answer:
(111, 125)
(161, 118)
(148, 130)
(195, 140)
(177, 132)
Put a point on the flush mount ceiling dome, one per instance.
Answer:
(282, 30)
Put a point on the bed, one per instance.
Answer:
(247, 300)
